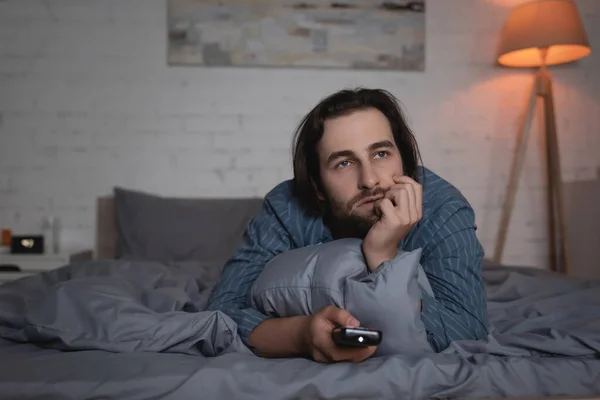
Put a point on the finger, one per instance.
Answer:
(412, 203)
(339, 316)
(394, 195)
(400, 196)
(404, 206)
(418, 189)
(386, 209)
(404, 179)
(397, 178)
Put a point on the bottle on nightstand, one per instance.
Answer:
(5, 243)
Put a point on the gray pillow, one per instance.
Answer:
(303, 281)
(151, 227)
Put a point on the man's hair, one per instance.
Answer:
(344, 102)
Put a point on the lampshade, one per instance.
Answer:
(554, 25)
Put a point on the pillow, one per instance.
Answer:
(305, 280)
(164, 229)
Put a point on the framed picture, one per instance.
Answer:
(349, 34)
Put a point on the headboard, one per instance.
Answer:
(106, 228)
(582, 203)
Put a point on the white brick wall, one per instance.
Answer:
(87, 102)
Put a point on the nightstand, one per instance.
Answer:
(30, 264)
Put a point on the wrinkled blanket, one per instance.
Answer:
(544, 335)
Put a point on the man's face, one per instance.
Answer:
(358, 159)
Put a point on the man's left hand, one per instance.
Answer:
(401, 209)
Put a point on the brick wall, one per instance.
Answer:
(87, 102)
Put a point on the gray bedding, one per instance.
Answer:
(137, 330)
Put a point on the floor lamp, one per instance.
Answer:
(539, 34)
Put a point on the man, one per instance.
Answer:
(356, 174)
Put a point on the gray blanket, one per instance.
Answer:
(129, 330)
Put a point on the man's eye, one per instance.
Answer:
(381, 154)
(343, 164)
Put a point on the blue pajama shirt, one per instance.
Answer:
(451, 258)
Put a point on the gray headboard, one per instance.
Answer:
(106, 228)
(582, 203)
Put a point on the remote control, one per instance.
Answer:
(347, 336)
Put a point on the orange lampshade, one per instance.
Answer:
(554, 25)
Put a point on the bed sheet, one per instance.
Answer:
(544, 341)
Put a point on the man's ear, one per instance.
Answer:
(317, 190)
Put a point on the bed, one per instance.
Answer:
(132, 324)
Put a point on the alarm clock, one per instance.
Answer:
(27, 244)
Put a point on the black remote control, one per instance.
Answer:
(347, 336)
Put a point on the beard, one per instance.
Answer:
(345, 221)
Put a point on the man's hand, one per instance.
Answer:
(400, 210)
(320, 345)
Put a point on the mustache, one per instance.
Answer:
(366, 194)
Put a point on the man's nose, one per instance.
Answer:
(369, 179)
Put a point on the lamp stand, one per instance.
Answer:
(542, 88)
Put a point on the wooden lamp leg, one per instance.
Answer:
(551, 190)
(516, 172)
(555, 180)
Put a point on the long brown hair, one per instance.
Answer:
(310, 131)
